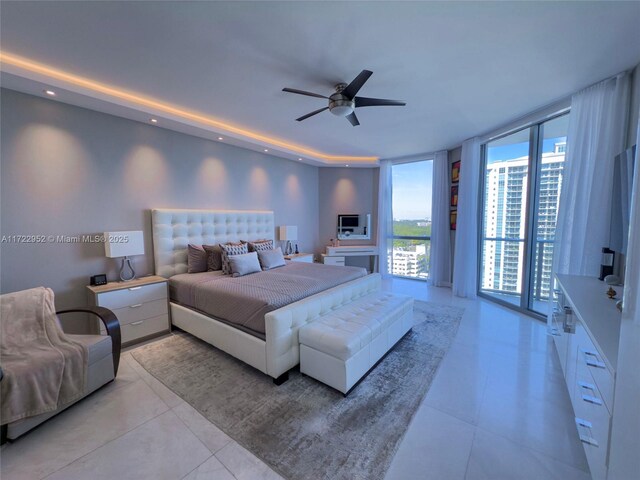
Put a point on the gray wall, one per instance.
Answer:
(71, 171)
(347, 190)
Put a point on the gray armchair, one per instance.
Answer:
(103, 361)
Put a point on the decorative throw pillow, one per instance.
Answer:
(214, 257)
(260, 245)
(196, 259)
(271, 259)
(228, 250)
(244, 264)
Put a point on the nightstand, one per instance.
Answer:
(300, 257)
(141, 305)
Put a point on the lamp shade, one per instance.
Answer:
(123, 244)
(288, 232)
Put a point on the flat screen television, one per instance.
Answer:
(623, 167)
(349, 221)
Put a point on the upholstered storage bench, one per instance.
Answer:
(348, 339)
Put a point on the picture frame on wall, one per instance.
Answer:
(453, 219)
(454, 195)
(455, 172)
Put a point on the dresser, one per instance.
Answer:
(141, 305)
(586, 333)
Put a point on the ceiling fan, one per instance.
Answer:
(344, 101)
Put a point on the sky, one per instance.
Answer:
(412, 190)
(515, 150)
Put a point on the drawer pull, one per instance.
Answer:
(591, 358)
(592, 399)
(584, 423)
(135, 306)
(587, 385)
(134, 288)
(589, 440)
(137, 323)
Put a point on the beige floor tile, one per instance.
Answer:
(94, 421)
(244, 465)
(167, 396)
(494, 457)
(212, 469)
(207, 432)
(161, 449)
(436, 447)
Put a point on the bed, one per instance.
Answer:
(233, 314)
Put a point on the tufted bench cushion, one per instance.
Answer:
(342, 345)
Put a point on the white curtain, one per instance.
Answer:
(597, 127)
(465, 268)
(440, 258)
(626, 421)
(385, 216)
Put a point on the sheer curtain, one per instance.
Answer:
(465, 268)
(597, 127)
(440, 258)
(385, 216)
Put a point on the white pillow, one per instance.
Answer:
(244, 264)
(271, 258)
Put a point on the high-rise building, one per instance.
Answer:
(410, 261)
(505, 187)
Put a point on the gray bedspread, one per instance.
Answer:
(243, 301)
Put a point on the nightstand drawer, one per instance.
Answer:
(142, 328)
(141, 311)
(125, 297)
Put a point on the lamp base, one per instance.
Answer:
(126, 263)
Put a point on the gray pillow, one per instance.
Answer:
(196, 259)
(260, 245)
(271, 259)
(231, 249)
(214, 257)
(244, 264)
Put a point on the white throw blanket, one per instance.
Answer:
(43, 368)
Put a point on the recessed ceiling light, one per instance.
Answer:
(220, 138)
(300, 159)
(347, 165)
(266, 149)
(153, 120)
(51, 93)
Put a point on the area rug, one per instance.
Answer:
(304, 429)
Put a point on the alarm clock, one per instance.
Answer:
(98, 279)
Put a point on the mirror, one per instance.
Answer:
(354, 227)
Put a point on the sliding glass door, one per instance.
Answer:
(411, 210)
(521, 193)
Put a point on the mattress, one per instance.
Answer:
(242, 302)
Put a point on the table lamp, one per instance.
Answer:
(288, 233)
(125, 245)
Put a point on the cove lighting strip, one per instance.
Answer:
(174, 110)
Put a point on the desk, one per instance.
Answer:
(338, 255)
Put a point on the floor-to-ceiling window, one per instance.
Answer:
(521, 192)
(411, 209)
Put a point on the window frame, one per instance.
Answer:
(531, 212)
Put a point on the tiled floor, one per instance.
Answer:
(497, 409)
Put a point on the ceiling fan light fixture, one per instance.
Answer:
(341, 106)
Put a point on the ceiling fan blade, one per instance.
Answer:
(304, 117)
(302, 92)
(356, 84)
(377, 102)
(353, 119)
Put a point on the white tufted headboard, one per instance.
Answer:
(174, 229)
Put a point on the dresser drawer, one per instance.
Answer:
(132, 296)
(142, 328)
(334, 261)
(590, 359)
(141, 311)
